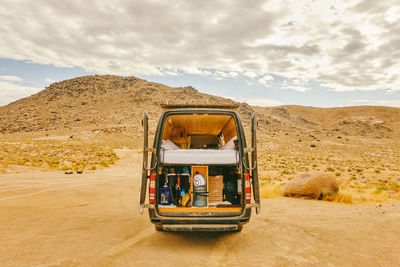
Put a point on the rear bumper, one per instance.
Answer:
(199, 227)
(206, 221)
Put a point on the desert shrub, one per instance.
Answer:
(66, 168)
(330, 169)
(104, 163)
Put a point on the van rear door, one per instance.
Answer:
(143, 185)
(254, 166)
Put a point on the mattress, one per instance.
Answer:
(199, 156)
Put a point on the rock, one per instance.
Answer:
(79, 172)
(378, 205)
(313, 145)
(69, 172)
(315, 185)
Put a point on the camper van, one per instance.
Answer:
(201, 176)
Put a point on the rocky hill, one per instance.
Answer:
(95, 101)
(113, 103)
(370, 121)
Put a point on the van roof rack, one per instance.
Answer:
(216, 106)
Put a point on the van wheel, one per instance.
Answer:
(158, 228)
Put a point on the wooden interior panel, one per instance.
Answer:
(215, 188)
(229, 131)
(179, 127)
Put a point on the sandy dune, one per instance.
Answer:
(52, 219)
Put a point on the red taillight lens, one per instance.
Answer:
(247, 188)
(152, 188)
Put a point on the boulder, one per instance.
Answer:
(315, 185)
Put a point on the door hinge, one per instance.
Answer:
(248, 150)
(150, 149)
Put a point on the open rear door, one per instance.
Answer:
(254, 166)
(143, 185)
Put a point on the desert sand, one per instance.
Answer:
(92, 219)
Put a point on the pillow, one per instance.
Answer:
(230, 145)
(168, 145)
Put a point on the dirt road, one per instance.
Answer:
(53, 219)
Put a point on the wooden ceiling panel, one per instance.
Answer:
(198, 124)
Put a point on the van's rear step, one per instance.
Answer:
(200, 227)
(200, 210)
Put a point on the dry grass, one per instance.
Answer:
(270, 190)
(357, 195)
(343, 198)
(367, 168)
(58, 154)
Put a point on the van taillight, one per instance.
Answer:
(152, 188)
(247, 188)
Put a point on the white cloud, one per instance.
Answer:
(249, 74)
(196, 71)
(10, 78)
(264, 102)
(11, 89)
(346, 44)
(233, 74)
(170, 73)
(221, 75)
(49, 80)
(296, 88)
(265, 80)
(298, 85)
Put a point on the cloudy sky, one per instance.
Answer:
(306, 52)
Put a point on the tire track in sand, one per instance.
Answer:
(121, 247)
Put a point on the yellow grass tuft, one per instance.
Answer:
(351, 194)
(270, 190)
(344, 198)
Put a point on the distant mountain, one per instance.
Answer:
(112, 102)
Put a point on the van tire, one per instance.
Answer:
(158, 228)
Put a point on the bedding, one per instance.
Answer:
(199, 156)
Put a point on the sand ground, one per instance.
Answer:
(92, 219)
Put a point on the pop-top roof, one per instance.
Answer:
(216, 106)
